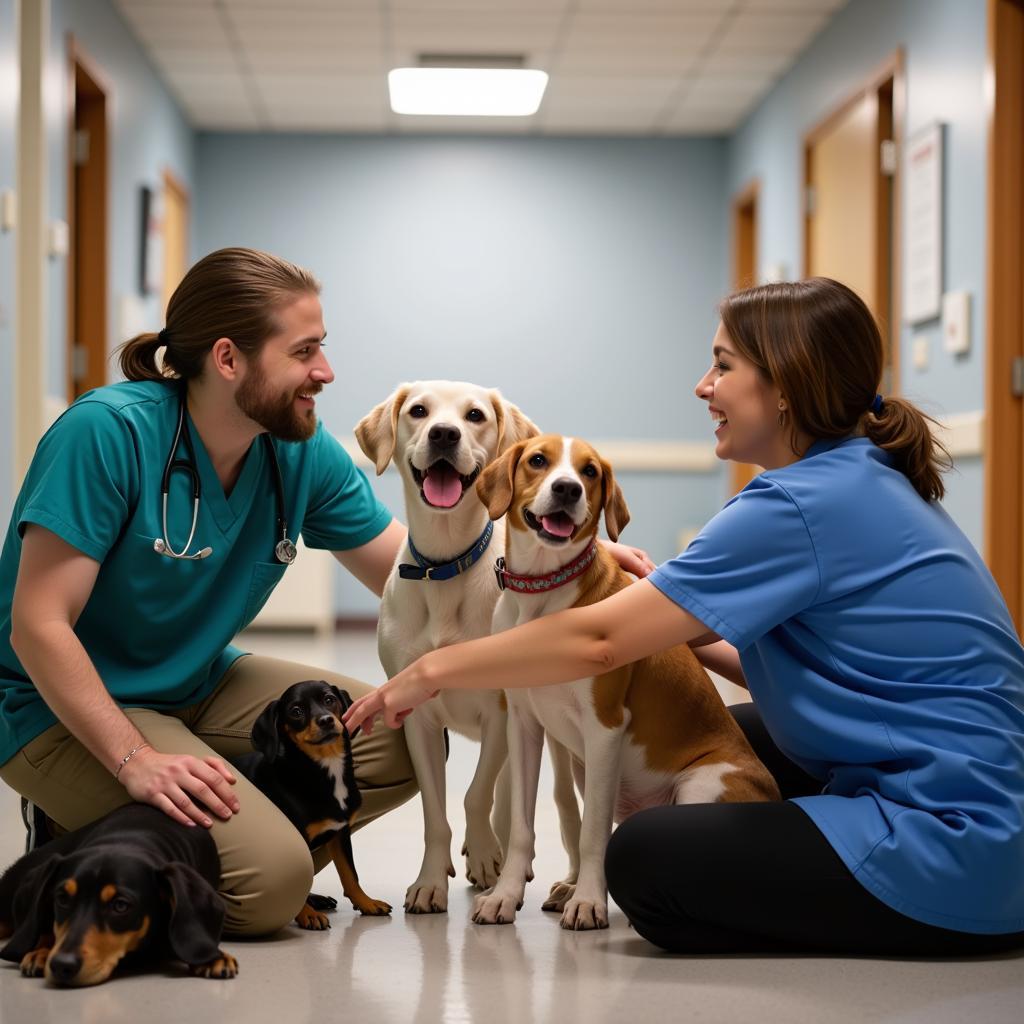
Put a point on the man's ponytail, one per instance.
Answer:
(137, 358)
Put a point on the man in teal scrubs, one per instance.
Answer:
(118, 680)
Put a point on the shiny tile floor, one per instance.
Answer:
(444, 968)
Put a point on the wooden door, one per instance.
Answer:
(1004, 388)
(841, 197)
(175, 231)
(850, 178)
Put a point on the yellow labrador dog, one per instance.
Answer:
(442, 590)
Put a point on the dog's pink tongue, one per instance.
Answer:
(558, 525)
(442, 486)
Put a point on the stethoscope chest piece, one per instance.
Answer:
(285, 551)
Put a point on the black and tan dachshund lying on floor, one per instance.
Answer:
(303, 763)
(132, 886)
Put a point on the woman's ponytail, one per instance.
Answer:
(909, 436)
(137, 358)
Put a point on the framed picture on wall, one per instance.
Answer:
(923, 225)
(151, 255)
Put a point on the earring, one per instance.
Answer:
(782, 414)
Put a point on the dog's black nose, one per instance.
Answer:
(566, 489)
(444, 435)
(65, 967)
(325, 721)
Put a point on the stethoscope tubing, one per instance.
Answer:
(284, 549)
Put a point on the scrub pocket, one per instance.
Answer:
(265, 576)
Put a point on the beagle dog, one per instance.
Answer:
(650, 733)
(441, 435)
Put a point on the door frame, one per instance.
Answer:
(172, 183)
(747, 199)
(892, 68)
(99, 192)
(1004, 412)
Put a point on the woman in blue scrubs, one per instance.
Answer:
(886, 675)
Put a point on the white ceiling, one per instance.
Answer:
(617, 67)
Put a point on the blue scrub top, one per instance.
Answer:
(883, 661)
(159, 630)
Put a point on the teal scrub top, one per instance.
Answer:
(883, 661)
(157, 629)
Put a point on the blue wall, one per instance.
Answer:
(147, 134)
(9, 90)
(945, 51)
(578, 275)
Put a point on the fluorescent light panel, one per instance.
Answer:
(466, 92)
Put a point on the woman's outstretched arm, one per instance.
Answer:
(573, 644)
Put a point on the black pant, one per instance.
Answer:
(759, 877)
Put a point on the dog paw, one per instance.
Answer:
(225, 966)
(483, 864)
(483, 856)
(312, 920)
(33, 965)
(422, 897)
(495, 907)
(373, 908)
(325, 904)
(582, 914)
(561, 893)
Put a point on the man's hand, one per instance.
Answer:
(633, 560)
(172, 782)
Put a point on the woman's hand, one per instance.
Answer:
(172, 782)
(633, 560)
(394, 700)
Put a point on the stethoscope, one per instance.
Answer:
(284, 549)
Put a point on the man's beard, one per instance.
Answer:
(276, 413)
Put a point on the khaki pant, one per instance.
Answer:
(266, 867)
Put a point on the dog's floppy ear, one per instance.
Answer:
(513, 426)
(266, 738)
(197, 914)
(376, 431)
(616, 513)
(33, 909)
(343, 697)
(494, 485)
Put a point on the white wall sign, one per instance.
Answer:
(922, 254)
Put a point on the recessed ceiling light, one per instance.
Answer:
(466, 91)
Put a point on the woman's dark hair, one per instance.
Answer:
(232, 293)
(818, 343)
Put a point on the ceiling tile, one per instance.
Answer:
(655, 6)
(326, 6)
(787, 6)
(474, 32)
(767, 32)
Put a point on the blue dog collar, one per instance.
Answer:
(437, 571)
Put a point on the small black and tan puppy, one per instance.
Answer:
(133, 886)
(303, 763)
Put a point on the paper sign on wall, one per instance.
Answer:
(922, 256)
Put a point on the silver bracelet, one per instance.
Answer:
(127, 757)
